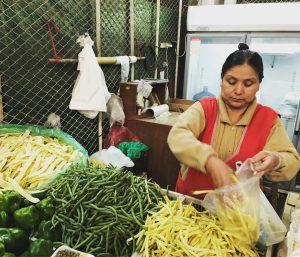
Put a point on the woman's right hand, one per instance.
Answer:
(219, 171)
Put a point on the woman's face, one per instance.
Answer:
(239, 86)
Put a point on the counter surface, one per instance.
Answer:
(163, 120)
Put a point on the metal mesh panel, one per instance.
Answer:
(145, 14)
(168, 33)
(115, 41)
(145, 24)
(32, 87)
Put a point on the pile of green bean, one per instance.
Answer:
(98, 209)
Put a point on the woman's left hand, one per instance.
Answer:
(265, 161)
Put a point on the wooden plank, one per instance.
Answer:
(162, 166)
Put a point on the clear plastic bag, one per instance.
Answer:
(113, 156)
(115, 110)
(250, 200)
(237, 208)
(293, 236)
(68, 251)
(272, 229)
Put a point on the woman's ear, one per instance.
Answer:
(257, 95)
(258, 88)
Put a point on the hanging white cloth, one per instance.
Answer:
(90, 93)
(124, 61)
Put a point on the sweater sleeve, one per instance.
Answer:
(279, 143)
(183, 139)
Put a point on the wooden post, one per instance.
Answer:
(98, 47)
(1, 102)
(157, 36)
(131, 21)
(177, 49)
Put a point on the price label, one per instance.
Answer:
(144, 88)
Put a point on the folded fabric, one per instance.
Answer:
(124, 61)
(90, 93)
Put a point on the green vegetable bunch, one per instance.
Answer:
(100, 208)
(25, 228)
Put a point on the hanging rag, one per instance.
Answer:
(90, 93)
(124, 61)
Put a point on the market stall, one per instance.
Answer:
(98, 177)
(101, 210)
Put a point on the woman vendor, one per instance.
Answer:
(215, 133)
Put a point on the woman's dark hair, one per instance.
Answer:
(241, 56)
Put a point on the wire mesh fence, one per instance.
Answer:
(196, 2)
(32, 87)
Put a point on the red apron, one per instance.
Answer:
(253, 141)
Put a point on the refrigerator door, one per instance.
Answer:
(296, 134)
(205, 55)
(280, 88)
(295, 183)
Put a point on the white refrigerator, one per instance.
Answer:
(273, 30)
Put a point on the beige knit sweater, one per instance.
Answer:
(183, 141)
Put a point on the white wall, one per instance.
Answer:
(282, 75)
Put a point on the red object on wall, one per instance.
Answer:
(52, 24)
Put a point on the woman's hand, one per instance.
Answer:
(219, 171)
(265, 161)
